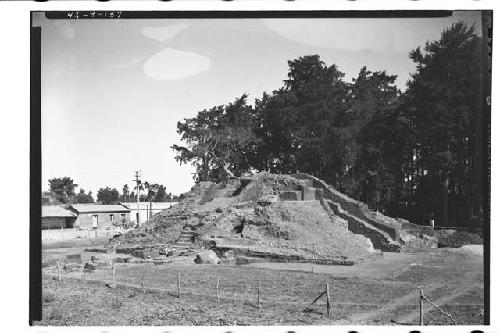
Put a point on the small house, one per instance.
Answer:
(57, 217)
(94, 216)
(145, 210)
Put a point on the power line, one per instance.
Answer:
(137, 182)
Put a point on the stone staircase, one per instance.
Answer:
(185, 240)
(380, 239)
(304, 192)
(384, 235)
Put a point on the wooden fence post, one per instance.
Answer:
(217, 290)
(247, 288)
(421, 301)
(62, 233)
(314, 257)
(328, 307)
(59, 270)
(114, 275)
(142, 282)
(258, 295)
(179, 285)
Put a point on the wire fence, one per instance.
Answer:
(257, 288)
(423, 298)
(63, 234)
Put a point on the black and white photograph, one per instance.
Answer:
(262, 168)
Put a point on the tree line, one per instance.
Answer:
(62, 191)
(416, 154)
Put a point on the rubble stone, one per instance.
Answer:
(89, 267)
(207, 257)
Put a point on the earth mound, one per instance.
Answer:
(265, 213)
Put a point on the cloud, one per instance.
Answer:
(65, 28)
(344, 34)
(172, 64)
(381, 35)
(162, 34)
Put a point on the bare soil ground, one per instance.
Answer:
(51, 251)
(72, 243)
(383, 291)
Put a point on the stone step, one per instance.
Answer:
(184, 243)
(184, 240)
(380, 239)
(290, 196)
(310, 193)
(183, 247)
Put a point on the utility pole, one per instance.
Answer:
(137, 183)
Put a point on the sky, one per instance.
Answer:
(114, 90)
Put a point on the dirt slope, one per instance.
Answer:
(306, 225)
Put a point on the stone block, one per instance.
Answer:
(121, 260)
(140, 254)
(97, 249)
(89, 267)
(309, 193)
(290, 196)
(207, 257)
(318, 193)
(75, 258)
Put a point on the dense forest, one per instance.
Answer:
(62, 192)
(417, 154)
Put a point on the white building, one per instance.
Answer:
(146, 209)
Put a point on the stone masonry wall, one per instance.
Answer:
(379, 240)
(355, 208)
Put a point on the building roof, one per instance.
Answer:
(145, 205)
(56, 211)
(95, 208)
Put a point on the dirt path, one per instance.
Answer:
(408, 304)
(381, 267)
(412, 317)
(366, 317)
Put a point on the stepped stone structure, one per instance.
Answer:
(286, 217)
(386, 233)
